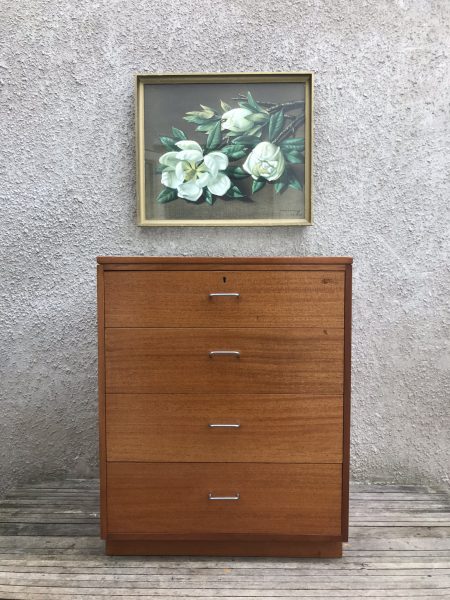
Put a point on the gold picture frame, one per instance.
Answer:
(274, 163)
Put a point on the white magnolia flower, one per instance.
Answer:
(235, 120)
(265, 160)
(188, 171)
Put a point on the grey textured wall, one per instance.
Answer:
(381, 195)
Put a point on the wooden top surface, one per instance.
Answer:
(240, 260)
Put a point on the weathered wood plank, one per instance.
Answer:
(55, 542)
(384, 488)
(394, 496)
(60, 529)
(224, 583)
(52, 520)
(393, 532)
(225, 580)
(397, 553)
(100, 594)
(210, 564)
(89, 596)
(148, 574)
(415, 521)
(75, 484)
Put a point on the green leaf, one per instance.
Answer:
(276, 123)
(258, 118)
(253, 105)
(225, 107)
(210, 199)
(200, 117)
(161, 168)
(297, 144)
(206, 113)
(246, 140)
(206, 127)
(294, 182)
(178, 134)
(235, 192)
(234, 152)
(257, 185)
(167, 195)
(195, 119)
(236, 173)
(214, 137)
(208, 110)
(293, 157)
(243, 104)
(256, 130)
(169, 143)
(280, 186)
(231, 134)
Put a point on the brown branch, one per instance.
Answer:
(290, 129)
(241, 98)
(273, 106)
(287, 105)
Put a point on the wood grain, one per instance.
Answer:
(237, 260)
(223, 267)
(175, 427)
(289, 390)
(274, 498)
(275, 360)
(293, 549)
(347, 400)
(181, 299)
(101, 396)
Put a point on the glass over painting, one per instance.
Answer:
(225, 151)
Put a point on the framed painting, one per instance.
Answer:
(224, 149)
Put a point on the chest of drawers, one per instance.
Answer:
(224, 400)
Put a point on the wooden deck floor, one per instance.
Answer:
(49, 549)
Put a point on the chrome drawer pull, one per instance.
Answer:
(225, 294)
(235, 353)
(212, 497)
(233, 425)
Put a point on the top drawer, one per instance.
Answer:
(260, 298)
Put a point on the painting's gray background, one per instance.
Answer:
(381, 191)
(166, 105)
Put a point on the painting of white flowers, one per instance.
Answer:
(224, 149)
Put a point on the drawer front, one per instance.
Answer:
(223, 428)
(275, 360)
(273, 498)
(266, 299)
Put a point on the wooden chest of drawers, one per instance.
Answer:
(224, 396)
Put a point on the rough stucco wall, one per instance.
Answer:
(381, 195)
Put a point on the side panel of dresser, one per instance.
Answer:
(101, 397)
(347, 399)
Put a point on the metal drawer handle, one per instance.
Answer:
(224, 294)
(235, 353)
(233, 425)
(212, 497)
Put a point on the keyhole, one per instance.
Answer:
(224, 279)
